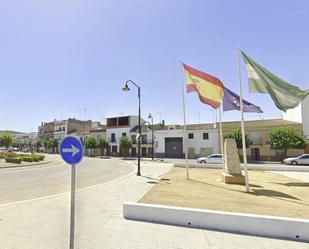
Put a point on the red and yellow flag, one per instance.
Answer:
(209, 88)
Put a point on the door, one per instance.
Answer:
(255, 152)
(144, 151)
(173, 147)
(191, 153)
(304, 159)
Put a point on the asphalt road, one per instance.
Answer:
(30, 183)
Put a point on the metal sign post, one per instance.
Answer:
(71, 150)
(72, 217)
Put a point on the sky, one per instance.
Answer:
(64, 59)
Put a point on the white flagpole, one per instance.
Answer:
(184, 120)
(221, 137)
(244, 149)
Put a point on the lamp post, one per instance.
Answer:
(126, 88)
(152, 141)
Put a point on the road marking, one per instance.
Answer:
(78, 190)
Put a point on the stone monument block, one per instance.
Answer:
(232, 171)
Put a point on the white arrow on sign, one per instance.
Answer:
(72, 150)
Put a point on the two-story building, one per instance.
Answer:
(117, 127)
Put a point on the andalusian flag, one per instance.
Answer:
(209, 88)
(285, 95)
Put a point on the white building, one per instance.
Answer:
(300, 114)
(117, 127)
(169, 141)
(200, 140)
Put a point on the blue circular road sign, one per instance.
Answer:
(71, 150)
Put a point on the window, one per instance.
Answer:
(123, 121)
(304, 157)
(124, 134)
(113, 138)
(190, 135)
(255, 138)
(111, 122)
(205, 136)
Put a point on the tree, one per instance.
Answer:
(125, 144)
(6, 140)
(102, 144)
(53, 143)
(38, 144)
(91, 144)
(16, 144)
(237, 135)
(284, 138)
(45, 142)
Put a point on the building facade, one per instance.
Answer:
(258, 131)
(116, 128)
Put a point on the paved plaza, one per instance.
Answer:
(44, 223)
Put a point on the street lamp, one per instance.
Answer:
(152, 146)
(126, 89)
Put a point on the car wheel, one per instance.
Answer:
(203, 161)
(294, 163)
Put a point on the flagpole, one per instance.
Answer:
(221, 136)
(244, 149)
(184, 120)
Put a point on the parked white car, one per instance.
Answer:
(301, 160)
(214, 158)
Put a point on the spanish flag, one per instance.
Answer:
(209, 88)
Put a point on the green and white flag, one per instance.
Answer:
(285, 95)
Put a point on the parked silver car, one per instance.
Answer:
(301, 160)
(214, 158)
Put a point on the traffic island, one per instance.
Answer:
(27, 160)
(277, 206)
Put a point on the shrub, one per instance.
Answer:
(27, 159)
(37, 157)
(13, 160)
(7, 154)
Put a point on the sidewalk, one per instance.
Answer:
(44, 223)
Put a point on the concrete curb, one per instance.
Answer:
(251, 167)
(252, 224)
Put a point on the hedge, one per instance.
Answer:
(13, 160)
(27, 159)
(18, 158)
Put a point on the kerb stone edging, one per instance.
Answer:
(252, 224)
(251, 167)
